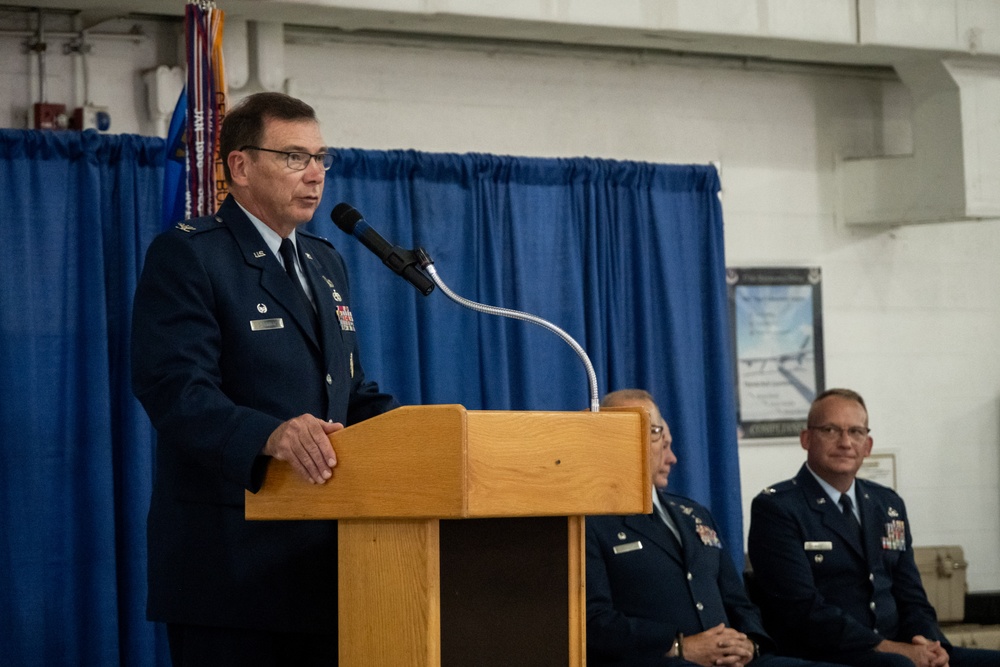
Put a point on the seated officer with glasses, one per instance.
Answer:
(244, 350)
(661, 590)
(832, 556)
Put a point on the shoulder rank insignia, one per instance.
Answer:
(184, 227)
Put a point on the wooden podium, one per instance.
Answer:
(461, 533)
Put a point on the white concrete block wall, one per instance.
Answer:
(911, 314)
(909, 319)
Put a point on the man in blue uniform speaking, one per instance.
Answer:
(832, 556)
(244, 350)
(660, 588)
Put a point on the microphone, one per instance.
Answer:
(402, 262)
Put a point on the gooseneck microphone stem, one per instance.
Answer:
(418, 268)
(428, 267)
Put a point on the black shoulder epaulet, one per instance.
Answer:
(321, 239)
(778, 488)
(868, 484)
(196, 226)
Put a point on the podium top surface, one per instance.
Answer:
(446, 462)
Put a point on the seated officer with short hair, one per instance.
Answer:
(833, 561)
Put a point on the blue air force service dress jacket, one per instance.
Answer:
(823, 593)
(223, 352)
(643, 587)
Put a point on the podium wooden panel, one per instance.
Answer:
(461, 533)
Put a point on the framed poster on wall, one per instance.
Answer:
(776, 320)
(880, 468)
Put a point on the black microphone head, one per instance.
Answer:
(345, 216)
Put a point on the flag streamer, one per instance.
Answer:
(206, 107)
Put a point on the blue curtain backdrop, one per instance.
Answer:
(75, 473)
(626, 257)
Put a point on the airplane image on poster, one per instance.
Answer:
(778, 355)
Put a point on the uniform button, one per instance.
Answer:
(690, 576)
(700, 606)
(871, 576)
(875, 630)
(329, 380)
(872, 605)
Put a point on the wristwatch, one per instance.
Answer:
(677, 650)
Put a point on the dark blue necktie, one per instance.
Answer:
(848, 508)
(287, 251)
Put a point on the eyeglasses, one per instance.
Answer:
(655, 433)
(831, 432)
(298, 160)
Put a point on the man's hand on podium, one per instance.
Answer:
(304, 443)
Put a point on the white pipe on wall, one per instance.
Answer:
(236, 52)
(80, 92)
(269, 54)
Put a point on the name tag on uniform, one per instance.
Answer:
(266, 325)
(819, 546)
(625, 548)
